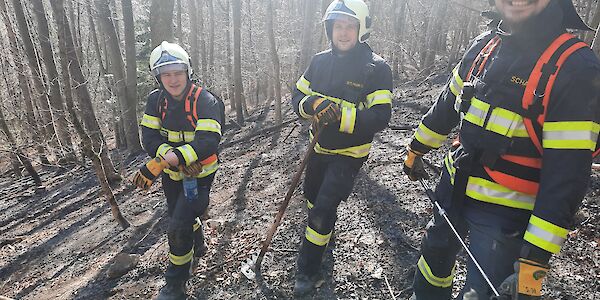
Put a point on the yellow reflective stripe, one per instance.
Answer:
(338, 101)
(504, 122)
(545, 234)
(442, 282)
(456, 84)
(188, 153)
(570, 135)
(301, 108)
(317, 238)
(348, 120)
(163, 149)
(151, 122)
(303, 85)
(208, 125)
(309, 204)
(429, 137)
(196, 225)
(379, 97)
(181, 260)
(491, 192)
(177, 136)
(449, 162)
(206, 170)
(477, 112)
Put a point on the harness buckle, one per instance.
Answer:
(467, 92)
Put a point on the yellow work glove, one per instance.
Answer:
(526, 282)
(195, 168)
(326, 112)
(413, 165)
(146, 175)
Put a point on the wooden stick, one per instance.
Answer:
(284, 204)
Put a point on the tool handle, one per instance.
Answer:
(283, 206)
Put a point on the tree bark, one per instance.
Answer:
(24, 86)
(93, 145)
(38, 84)
(130, 56)
(596, 42)
(194, 53)
(127, 105)
(56, 102)
(306, 51)
(275, 60)
(161, 21)
(237, 60)
(179, 29)
(203, 59)
(230, 87)
(211, 44)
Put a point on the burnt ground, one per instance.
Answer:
(60, 244)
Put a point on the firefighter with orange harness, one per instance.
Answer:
(527, 98)
(181, 130)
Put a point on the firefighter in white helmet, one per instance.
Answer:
(346, 92)
(181, 130)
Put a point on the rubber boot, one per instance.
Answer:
(174, 290)
(305, 284)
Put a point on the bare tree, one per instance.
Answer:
(93, 145)
(56, 102)
(275, 60)
(310, 9)
(237, 60)
(130, 54)
(161, 21)
(127, 105)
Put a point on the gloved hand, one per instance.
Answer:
(146, 175)
(413, 165)
(326, 112)
(525, 283)
(195, 168)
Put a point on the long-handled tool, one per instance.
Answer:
(256, 261)
(442, 213)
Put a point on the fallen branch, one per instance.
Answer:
(389, 287)
(257, 133)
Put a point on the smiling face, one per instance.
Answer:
(515, 12)
(345, 33)
(174, 82)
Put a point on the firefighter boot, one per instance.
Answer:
(173, 290)
(200, 246)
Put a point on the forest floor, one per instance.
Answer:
(60, 244)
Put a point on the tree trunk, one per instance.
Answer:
(590, 36)
(230, 87)
(211, 44)
(127, 105)
(275, 60)
(306, 51)
(179, 29)
(56, 102)
(24, 86)
(93, 145)
(237, 60)
(434, 31)
(38, 85)
(203, 59)
(194, 53)
(130, 57)
(161, 21)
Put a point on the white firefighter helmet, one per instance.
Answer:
(356, 9)
(169, 57)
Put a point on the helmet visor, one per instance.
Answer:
(170, 66)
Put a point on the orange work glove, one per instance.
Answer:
(326, 112)
(526, 282)
(195, 168)
(146, 175)
(413, 165)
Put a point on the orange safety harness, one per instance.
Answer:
(534, 103)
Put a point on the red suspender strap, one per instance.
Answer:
(483, 54)
(530, 95)
(188, 106)
(195, 106)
